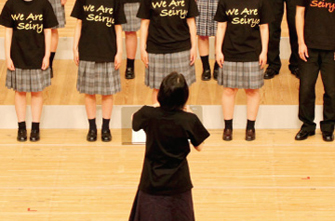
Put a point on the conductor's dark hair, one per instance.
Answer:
(173, 92)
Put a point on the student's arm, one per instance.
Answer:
(300, 23)
(220, 33)
(8, 44)
(118, 56)
(193, 34)
(144, 37)
(264, 29)
(47, 39)
(77, 33)
(199, 147)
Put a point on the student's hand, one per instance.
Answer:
(10, 64)
(45, 63)
(63, 2)
(262, 59)
(220, 59)
(144, 57)
(303, 52)
(117, 61)
(76, 56)
(193, 55)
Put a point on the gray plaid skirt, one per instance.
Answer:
(206, 26)
(178, 207)
(98, 78)
(246, 75)
(59, 12)
(160, 65)
(133, 23)
(28, 80)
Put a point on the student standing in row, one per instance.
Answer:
(206, 27)
(130, 28)
(168, 40)
(164, 192)
(98, 54)
(241, 51)
(275, 35)
(58, 7)
(27, 46)
(316, 30)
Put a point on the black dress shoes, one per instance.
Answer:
(22, 135)
(130, 73)
(303, 135)
(215, 73)
(206, 75)
(328, 137)
(250, 135)
(34, 135)
(92, 135)
(106, 135)
(227, 134)
(270, 73)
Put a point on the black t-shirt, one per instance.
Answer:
(319, 28)
(242, 42)
(28, 21)
(131, 1)
(165, 169)
(168, 29)
(98, 38)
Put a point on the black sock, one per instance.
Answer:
(130, 63)
(228, 124)
(205, 62)
(35, 126)
(216, 66)
(105, 124)
(251, 125)
(51, 59)
(22, 125)
(93, 125)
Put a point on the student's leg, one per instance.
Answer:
(328, 79)
(20, 107)
(253, 101)
(228, 104)
(53, 48)
(107, 107)
(90, 104)
(294, 58)
(36, 111)
(131, 46)
(203, 45)
(154, 96)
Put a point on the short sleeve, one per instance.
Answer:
(193, 9)
(78, 10)
(49, 17)
(120, 17)
(197, 133)
(220, 15)
(5, 17)
(266, 14)
(145, 9)
(140, 119)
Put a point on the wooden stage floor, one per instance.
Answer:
(68, 179)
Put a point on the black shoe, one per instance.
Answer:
(130, 73)
(295, 71)
(327, 136)
(206, 75)
(34, 135)
(106, 135)
(303, 135)
(92, 135)
(227, 134)
(270, 73)
(215, 74)
(22, 135)
(250, 135)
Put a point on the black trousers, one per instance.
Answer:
(275, 33)
(318, 61)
